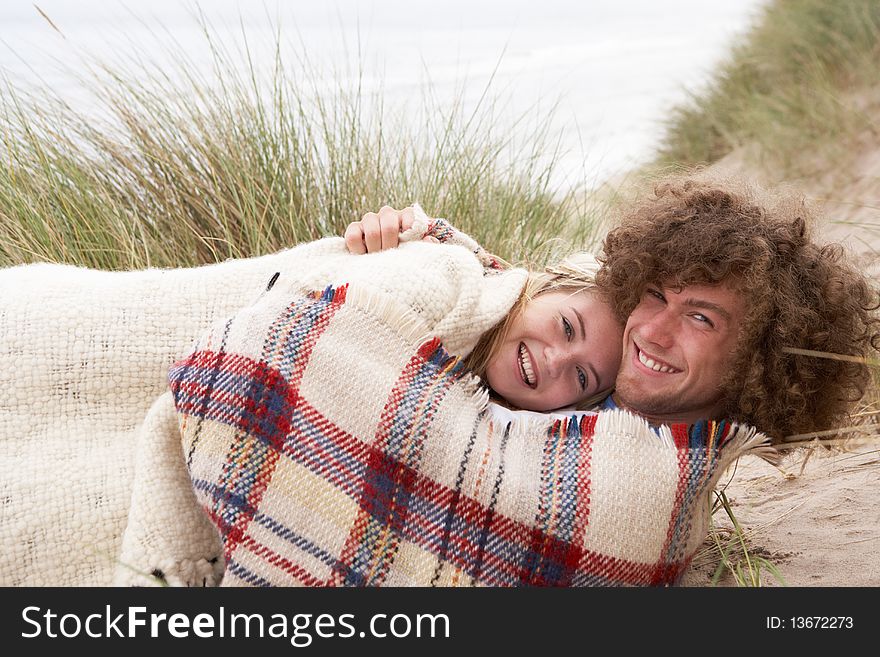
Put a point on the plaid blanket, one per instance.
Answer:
(334, 443)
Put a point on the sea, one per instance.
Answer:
(599, 76)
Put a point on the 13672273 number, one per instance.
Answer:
(809, 623)
(821, 622)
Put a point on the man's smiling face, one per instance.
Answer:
(678, 345)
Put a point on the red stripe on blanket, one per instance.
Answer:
(325, 462)
(389, 476)
(582, 515)
(194, 396)
(297, 573)
(664, 570)
(275, 353)
(680, 435)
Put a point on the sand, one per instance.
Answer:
(818, 522)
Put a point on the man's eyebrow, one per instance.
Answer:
(708, 305)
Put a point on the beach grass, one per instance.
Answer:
(733, 553)
(169, 168)
(798, 89)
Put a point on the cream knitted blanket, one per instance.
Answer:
(93, 489)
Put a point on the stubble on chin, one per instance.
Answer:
(639, 402)
(632, 392)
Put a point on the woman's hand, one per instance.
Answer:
(378, 231)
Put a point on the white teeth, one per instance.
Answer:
(649, 362)
(525, 364)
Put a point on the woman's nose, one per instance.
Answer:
(556, 359)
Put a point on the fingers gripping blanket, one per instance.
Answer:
(334, 442)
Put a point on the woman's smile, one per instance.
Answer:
(562, 348)
(527, 370)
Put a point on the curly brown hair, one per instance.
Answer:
(695, 230)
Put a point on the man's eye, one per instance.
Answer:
(582, 379)
(656, 294)
(566, 326)
(703, 319)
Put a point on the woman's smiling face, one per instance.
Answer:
(562, 348)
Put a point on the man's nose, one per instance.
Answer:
(660, 329)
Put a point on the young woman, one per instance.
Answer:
(558, 346)
(86, 353)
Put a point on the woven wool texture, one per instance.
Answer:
(311, 482)
(83, 355)
(94, 489)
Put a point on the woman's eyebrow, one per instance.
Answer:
(595, 376)
(581, 322)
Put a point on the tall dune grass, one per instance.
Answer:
(802, 82)
(181, 170)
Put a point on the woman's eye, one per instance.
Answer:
(582, 379)
(569, 331)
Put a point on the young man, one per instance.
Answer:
(723, 297)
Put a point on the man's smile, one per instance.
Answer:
(653, 363)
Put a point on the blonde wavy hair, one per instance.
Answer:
(575, 273)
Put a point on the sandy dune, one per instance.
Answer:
(819, 525)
